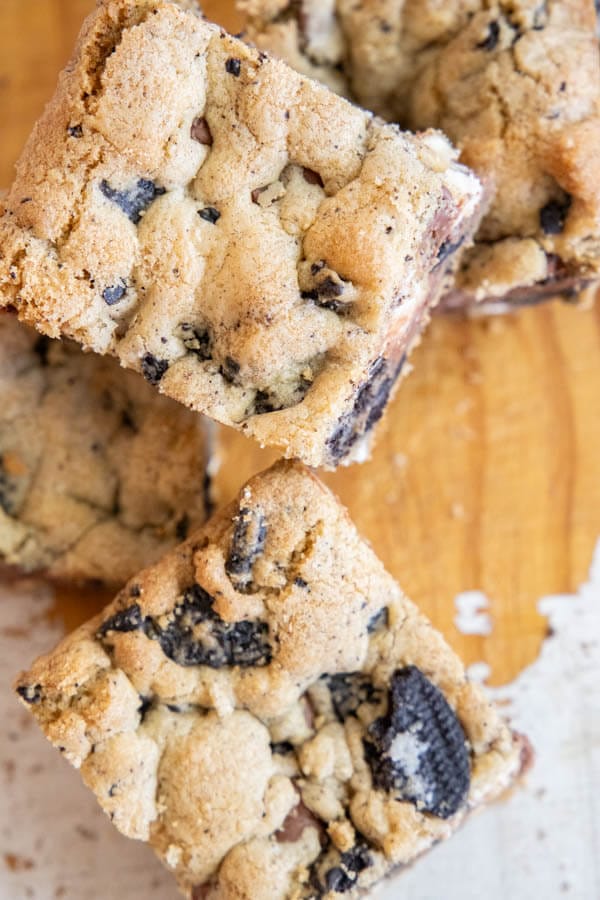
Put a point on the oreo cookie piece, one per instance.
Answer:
(247, 544)
(369, 406)
(490, 42)
(418, 751)
(129, 619)
(349, 691)
(196, 635)
(196, 340)
(554, 215)
(153, 369)
(336, 872)
(136, 200)
(8, 489)
(30, 693)
(114, 293)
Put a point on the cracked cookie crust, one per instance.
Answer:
(99, 475)
(256, 247)
(268, 710)
(516, 85)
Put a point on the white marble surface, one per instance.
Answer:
(544, 842)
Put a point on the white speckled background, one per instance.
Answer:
(544, 842)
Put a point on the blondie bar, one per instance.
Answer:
(258, 248)
(268, 710)
(515, 84)
(99, 475)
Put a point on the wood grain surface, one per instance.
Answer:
(486, 471)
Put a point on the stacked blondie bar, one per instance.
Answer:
(514, 83)
(261, 703)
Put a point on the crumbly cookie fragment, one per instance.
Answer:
(99, 475)
(516, 85)
(297, 733)
(173, 207)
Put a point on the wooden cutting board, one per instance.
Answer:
(486, 472)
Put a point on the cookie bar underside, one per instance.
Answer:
(515, 85)
(268, 710)
(99, 475)
(173, 208)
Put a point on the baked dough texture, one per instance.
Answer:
(258, 248)
(516, 85)
(99, 474)
(268, 710)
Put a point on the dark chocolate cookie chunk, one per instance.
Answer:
(328, 292)
(490, 42)
(196, 340)
(339, 872)
(247, 544)
(230, 370)
(210, 214)
(379, 621)
(8, 489)
(30, 693)
(369, 405)
(233, 67)
(266, 401)
(282, 748)
(153, 369)
(135, 201)
(349, 691)
(418, 751)
(129, 619)
(114, 293)
(554, 215)
(196, 635)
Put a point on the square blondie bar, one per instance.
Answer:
(516, 85)
(268, 710)
(261, 250)
(99, 474)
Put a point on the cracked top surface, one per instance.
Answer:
(268, 710)
(99, 475)
(516, 85)
(243, 237)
